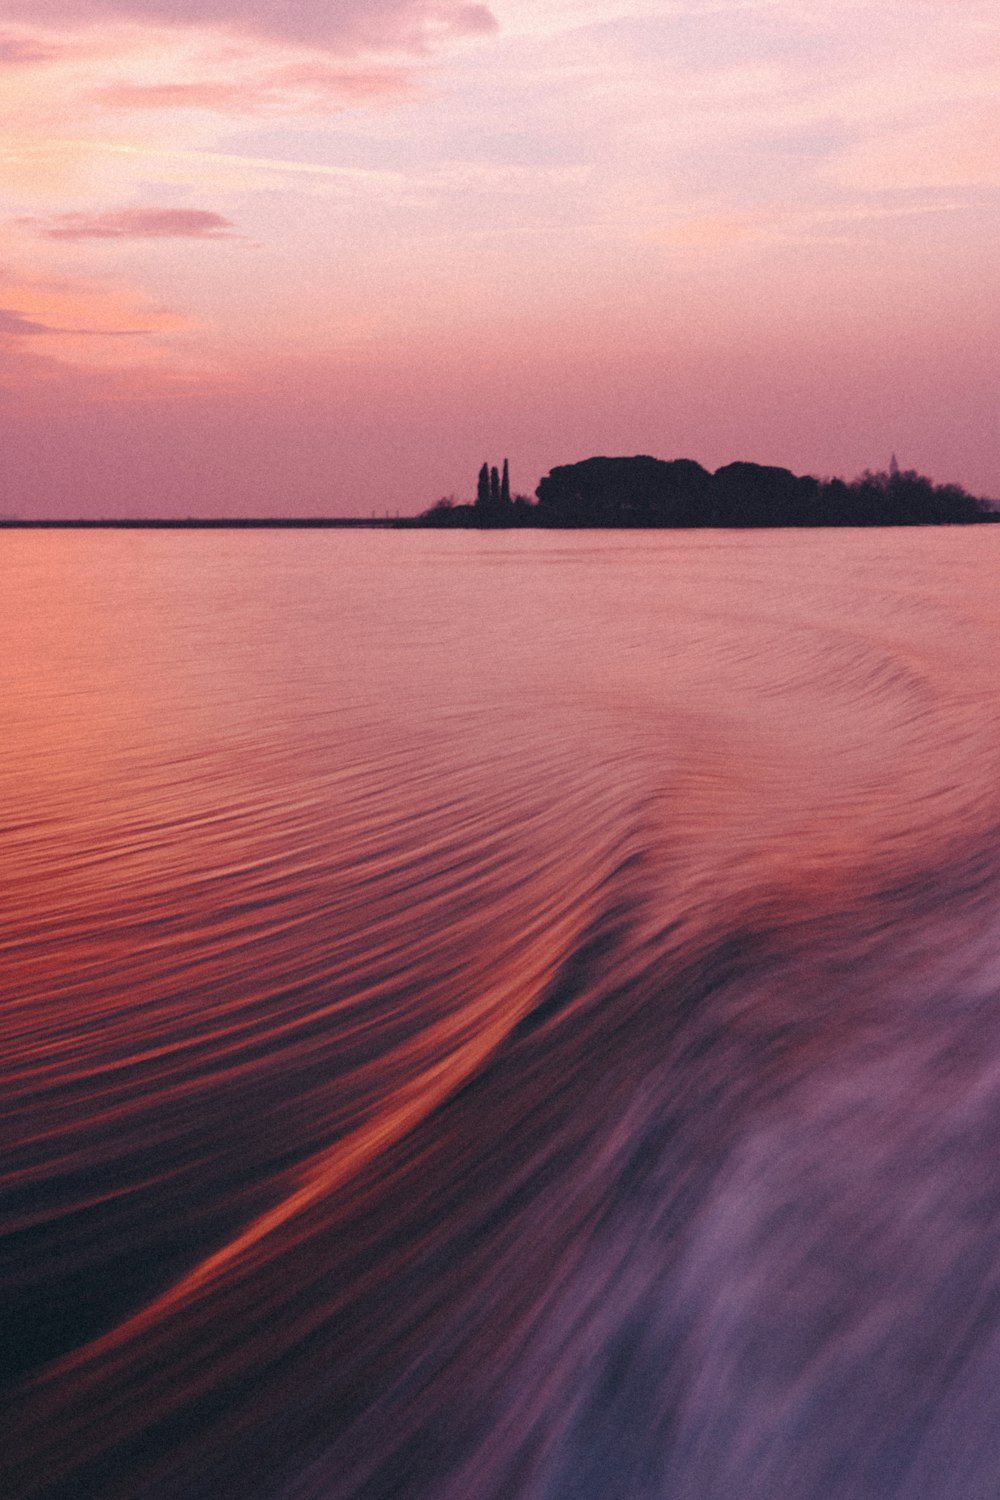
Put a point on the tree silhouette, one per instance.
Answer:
(761, 495)
(649, 492)
(645, 491)
(639, 491)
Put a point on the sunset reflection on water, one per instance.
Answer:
(501, 1015)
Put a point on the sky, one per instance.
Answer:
(307, 257)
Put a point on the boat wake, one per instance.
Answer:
(589, 1092)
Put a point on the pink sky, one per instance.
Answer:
(326, 257)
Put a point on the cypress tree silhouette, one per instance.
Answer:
(494, 486)
(483, 488)
(505, 485)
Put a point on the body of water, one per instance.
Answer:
(501, 1016)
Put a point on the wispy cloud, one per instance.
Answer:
(240, 164)
(305, 88)
(15, 325)
(22, 51)
(957, 150)
(347, 26)
(51, 323)
(135, 224)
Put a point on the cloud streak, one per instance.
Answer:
(135, 224)
(24, 51)
(15, 325)
(296, 89)
(347, 26)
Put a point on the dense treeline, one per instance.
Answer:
(647, 492)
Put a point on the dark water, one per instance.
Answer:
(501, 1017)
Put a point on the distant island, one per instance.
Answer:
(654, 492)
(628, 492)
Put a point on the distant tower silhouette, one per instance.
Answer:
(483, 488)
(505, 485)
(893, 468)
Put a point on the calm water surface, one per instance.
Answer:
(501, 1017)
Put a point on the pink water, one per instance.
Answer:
(501, 1017)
